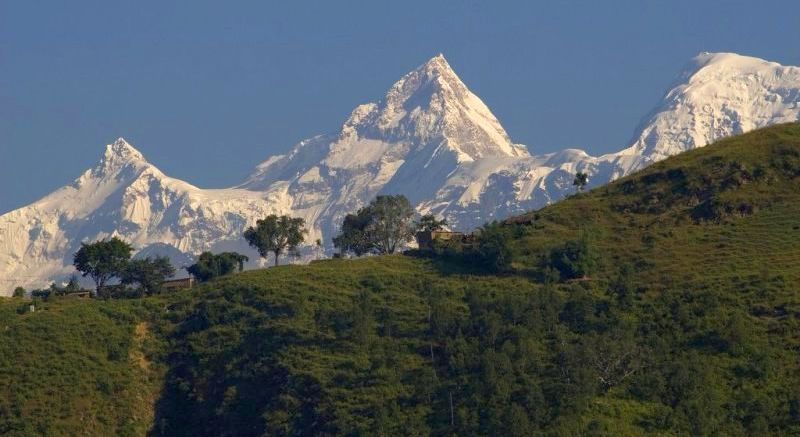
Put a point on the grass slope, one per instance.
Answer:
(688, 325)
(75, 367)
(721, 213)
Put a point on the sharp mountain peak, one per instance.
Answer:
(121, 151)
(428, 137)
(120, 156)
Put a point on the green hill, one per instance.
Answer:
(76, 367)
(684, 319)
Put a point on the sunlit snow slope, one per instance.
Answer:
(429, 138)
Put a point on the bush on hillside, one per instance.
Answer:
(492, 250)
(575, 259)
(210, 265)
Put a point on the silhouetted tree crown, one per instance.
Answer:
(391, 223)
(354, 237)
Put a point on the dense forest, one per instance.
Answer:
(664, 303)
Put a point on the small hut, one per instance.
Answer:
(177, 284)
(425, 239)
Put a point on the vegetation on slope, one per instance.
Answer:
(683, 318)
(722, 213)
(76, 367)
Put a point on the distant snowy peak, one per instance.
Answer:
(718, 95)
(715, 63)
(122, 150)
(425, 127)
(429, 138)
(428, 122)
(121, 153)
(432, 105)
(120, 164)
(123, 195)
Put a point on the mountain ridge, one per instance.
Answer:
(429, 138)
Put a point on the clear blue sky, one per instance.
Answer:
(208, 89)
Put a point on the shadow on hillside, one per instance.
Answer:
(209, 403)
(459, 265)
(445, 265)
(224, 372)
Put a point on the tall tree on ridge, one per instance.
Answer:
(390, 223)
(276, 234)
(102, 260)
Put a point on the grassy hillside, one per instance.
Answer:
(76, 367)
(687, 323)
(718, 214)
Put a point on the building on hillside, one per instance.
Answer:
(425, 239)
(526, 219)
(83, 294)
(177, 284)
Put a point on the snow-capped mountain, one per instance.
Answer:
(429, 138)
(718, 95)
(427, 126)
(126, 196)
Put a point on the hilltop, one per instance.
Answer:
(686, 324)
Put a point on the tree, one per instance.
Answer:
(390, 225)
(382, 227)
(580, 181)
(354, 237)
(429, 223)
(19, 292)
(276, 234)
(493, 250)
(614, 356)
(73, 285)
(148, 273)
(320, 250)
(102, 260)
(210, 266)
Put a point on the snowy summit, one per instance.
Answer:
(429, 138)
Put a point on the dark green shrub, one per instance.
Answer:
(493, 252)
(575, 259)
